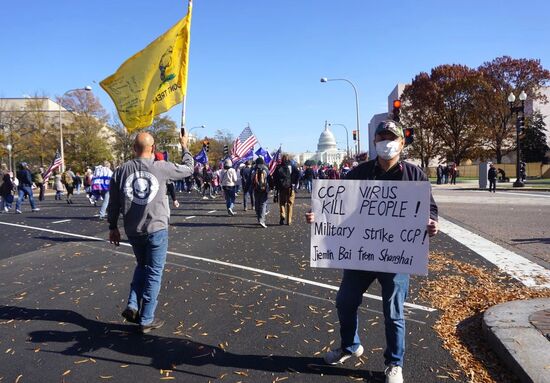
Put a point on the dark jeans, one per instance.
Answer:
(229, 192)
(260, 199)
(394, 292)
(492, 185)
(248, 194)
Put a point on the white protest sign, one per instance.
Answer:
(371, 225)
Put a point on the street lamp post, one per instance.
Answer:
(9, 147)
(62, 152)
(518, 110)
(324, 79)
(347, 136)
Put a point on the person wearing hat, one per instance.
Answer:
(248, 192)
(389, 141)
(229, 182)
(259, 184)
(492, 177)
(24, 189)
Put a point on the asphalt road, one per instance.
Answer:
(226, 318)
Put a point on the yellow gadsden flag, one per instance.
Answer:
(153, 80)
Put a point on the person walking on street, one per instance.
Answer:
(100, 186)
(207, 178)
(6, 191)
(259, 184)
(389, 141)
(248, 192)
(68, 181)
(24, 189)
(492, 176)
(229, 181)
(138, 192)
(286, 176)
(38, 179)
(57, 186)
(453, 173)
(439, 173)
(308, 178)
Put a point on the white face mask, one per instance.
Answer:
(388, 149)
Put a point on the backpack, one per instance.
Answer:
(285, 177)
(67, 179)
(259, 182)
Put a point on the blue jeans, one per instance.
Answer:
(103, 208)
(150, 251)
(308, 185)
(394, 292)
(229, 196)
(22, 190)
(248, 194)
(260, 201)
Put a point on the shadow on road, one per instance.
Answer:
(545, 241)
(164, 352)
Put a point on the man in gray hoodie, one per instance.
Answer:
(138, 192)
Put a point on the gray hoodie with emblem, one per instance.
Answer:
(138, 192)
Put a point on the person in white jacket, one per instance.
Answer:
(229, 182)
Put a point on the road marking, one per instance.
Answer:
(63, 220)
(212, 211)
(520, 268)
(191, 216)
(217, 262)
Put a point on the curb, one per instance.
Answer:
(516, 341)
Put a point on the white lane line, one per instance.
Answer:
(191, 216)
(212, 211)
(232, 265)
(520, 268)
(63, 220)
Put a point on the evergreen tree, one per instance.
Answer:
(533, 143)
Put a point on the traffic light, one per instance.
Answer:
(225, 150)
(396, 109)
(409, 135)
(206, 145)
(354, 133)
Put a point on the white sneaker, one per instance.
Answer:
(394, 374)
(204, 197)
(230, 212)
(17, 211)
(339, 356)
(262, 224)
(36, 209)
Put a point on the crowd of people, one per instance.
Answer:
(140, 189)
(447, 174)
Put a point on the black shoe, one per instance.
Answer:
(282, 221)
(156, 323)
(130, 315)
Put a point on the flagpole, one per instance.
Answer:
(183, 103)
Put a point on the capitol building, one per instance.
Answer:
(327, 152)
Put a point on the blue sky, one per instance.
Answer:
(260, 61)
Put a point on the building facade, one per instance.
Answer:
(327, 150)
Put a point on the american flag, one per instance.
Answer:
(243, 143)
(276, 160)
(55, 164)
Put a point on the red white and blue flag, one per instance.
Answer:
(54, 165)
(276, 160)
(243, 143)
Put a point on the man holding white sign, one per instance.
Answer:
(374, 229)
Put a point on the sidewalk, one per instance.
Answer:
(470, 184)
(519, 333)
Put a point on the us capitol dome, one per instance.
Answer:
(327, 150)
